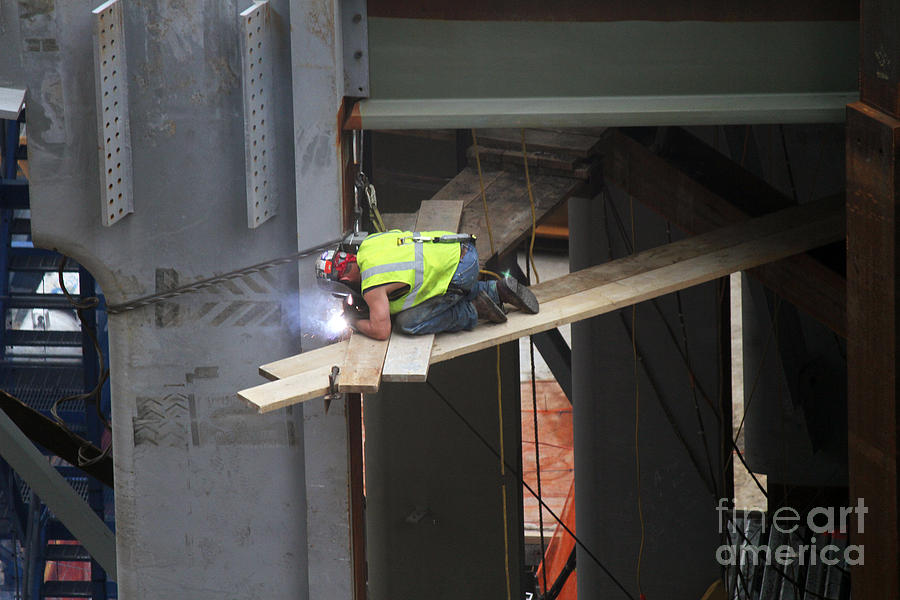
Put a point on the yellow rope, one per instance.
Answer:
(483, 195)
(537, 277)
(487, 221)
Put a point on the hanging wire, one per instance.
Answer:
(537, 447)
(524, 483)
(86, 303)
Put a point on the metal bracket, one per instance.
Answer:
(117, 189)
(259, 141)
(355, 34)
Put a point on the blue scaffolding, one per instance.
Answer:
(41, 362)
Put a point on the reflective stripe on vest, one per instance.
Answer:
(426, 268)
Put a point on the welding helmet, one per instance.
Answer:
(332, 264)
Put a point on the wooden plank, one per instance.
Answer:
(11, 103)
(773, 237)
(510, 211)
(404, 221)
(699, 190)
(466, 187)
(539, 163)
(323, 358)
(540, 140)
(408, 357)
(439, 215)
(361, 369)
(644, 286)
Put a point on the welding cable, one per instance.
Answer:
(487, 220)
(522, 481)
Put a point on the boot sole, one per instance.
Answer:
(518, 295)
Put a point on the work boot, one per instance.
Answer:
(513, 292)
(488, 309)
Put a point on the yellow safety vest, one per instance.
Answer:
(426, 267)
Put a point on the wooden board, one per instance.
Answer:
(699, 190)
(539, 163)
(558, 142)
(11, 102)
(510, 211)
(466, 187)
(361, 368)
(408, 357)
(755, 242)
(404, 221)
(325, 357)
(439, 215)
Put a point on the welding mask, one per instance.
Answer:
(332, 265)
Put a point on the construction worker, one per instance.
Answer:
(428, 281)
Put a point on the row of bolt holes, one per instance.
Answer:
(263, 121)
(116, 120)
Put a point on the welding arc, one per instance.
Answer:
(515, 472)
(212, 281)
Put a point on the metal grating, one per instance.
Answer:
(763, 580)
(40, 386)
(256, 65)
(112, 114)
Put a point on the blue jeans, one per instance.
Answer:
(453, 311)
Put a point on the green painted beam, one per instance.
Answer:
(57, 494)
(625, 111)
(432, 73)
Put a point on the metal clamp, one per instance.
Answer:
(333, 393)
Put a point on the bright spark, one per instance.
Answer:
(336, 324)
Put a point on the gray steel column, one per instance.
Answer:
(210, 497)
(318, 81)
(678, 504)
(434, 505)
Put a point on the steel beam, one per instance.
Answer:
(12, 101)
(600, 111)
(873, 305)
(57, 494)
(318, 84)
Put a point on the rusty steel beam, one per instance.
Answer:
(873, 191)
(879, 69)
(680, 189)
